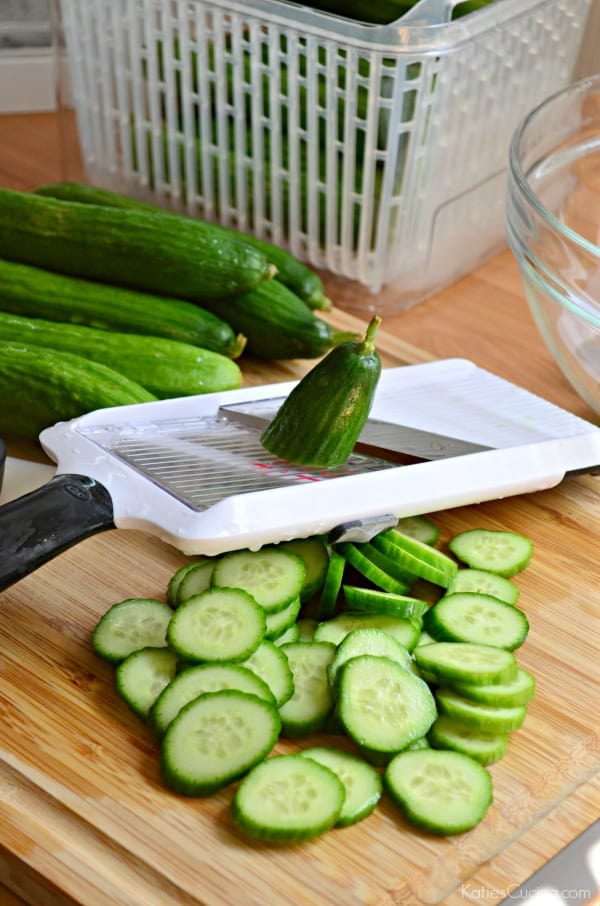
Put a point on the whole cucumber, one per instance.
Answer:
(146, 250)
(166, 368)
(39, 387)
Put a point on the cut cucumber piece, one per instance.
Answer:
(279, 622)
(313, 552)
(288, 798)
(501, 552)
(274, 577)
(143, 675)
(439, 791)
(131, 625)
(484, 747)
(486, 583)
(220, 624)
(362, 783)
(472, 617)
(418, 558)
(332, 585)
(312, 702)
(270, 663)
(387, 565)
(420, 528)
(195, 681)
(216, 739)
(195, 580)
(354, 554)
(291, 634)
(368, 641)
(466, 662)
(381, 705)
(519, 691)
(175, 581)
(335, 630)
(372, 600)
(490, 718)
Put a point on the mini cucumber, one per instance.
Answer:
(367, 641)
(288, 798)
(143, 675)
(441, 792)
(270, 664)
(484, 746)
(501, 552)
(366, 566)
(220, 624)
(407, 631)
(491, 718)
(486, 583)
(129, 626)
(466, 663)
(373, 600)
(312, 702)
(417, 557)
(473, 617)
(362, 783)
(274, 577)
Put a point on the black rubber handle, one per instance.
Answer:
(38, 526)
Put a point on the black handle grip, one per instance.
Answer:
(38, 526)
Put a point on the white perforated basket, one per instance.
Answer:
(378, 153)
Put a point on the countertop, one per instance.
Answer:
(483, 317)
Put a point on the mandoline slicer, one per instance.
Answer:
(192, 470)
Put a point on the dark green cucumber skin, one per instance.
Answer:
(145, 250)
(319, 422)
(166, 368)
(290, 271)
(39, 387)
(38, 293)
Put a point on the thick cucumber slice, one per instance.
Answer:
(485, 583)
(372, 600)
(442, 792)
(312, 702)
(220, 624)
(490, 718)
(195, 580)
(369, 569)
(484, 747)
(407, 631)
(280, 621)
(418, 558)
(313, 552)
(368, 641)
(195, 681)
(362, 783)
(332, 585)
(504, 553)
(419, 527)
(472, 617)
(215, 739)
(129, 626)
(274, 577)
(270, 663)
(381, 705)
(519, 691)
(288, 798)
(465, 662)
(143, 675)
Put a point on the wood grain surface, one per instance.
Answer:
(84, 818)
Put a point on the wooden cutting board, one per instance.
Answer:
(85, 819)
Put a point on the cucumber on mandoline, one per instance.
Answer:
(39, 387)
(166, 368)
(319, 422)
(145, 250)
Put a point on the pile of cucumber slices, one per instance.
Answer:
(401, 653)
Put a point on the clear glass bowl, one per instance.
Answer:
(553, 227)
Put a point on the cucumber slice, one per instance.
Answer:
(215, 739)
(279, 622)
(355, 555)
(368, 641)
(420, 528)
(519, 691)
(291, 634)
(143, 675)
(381, 705)
(389, 565)
(484, 747)
(491, 718)
(362, 783)
(175, 581)
(220, 624)
(439, 791)
(313, 552)
(274, 577)
(288, 798)
(129, 626)
(373, 600)
(486, 583)
(332, 585)
(312, 702)
(195, 580)
(466, 662)
(418, 558)
(335, 630)
(270, 663)
(195, 681)
(501, 552)
(472, 617)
